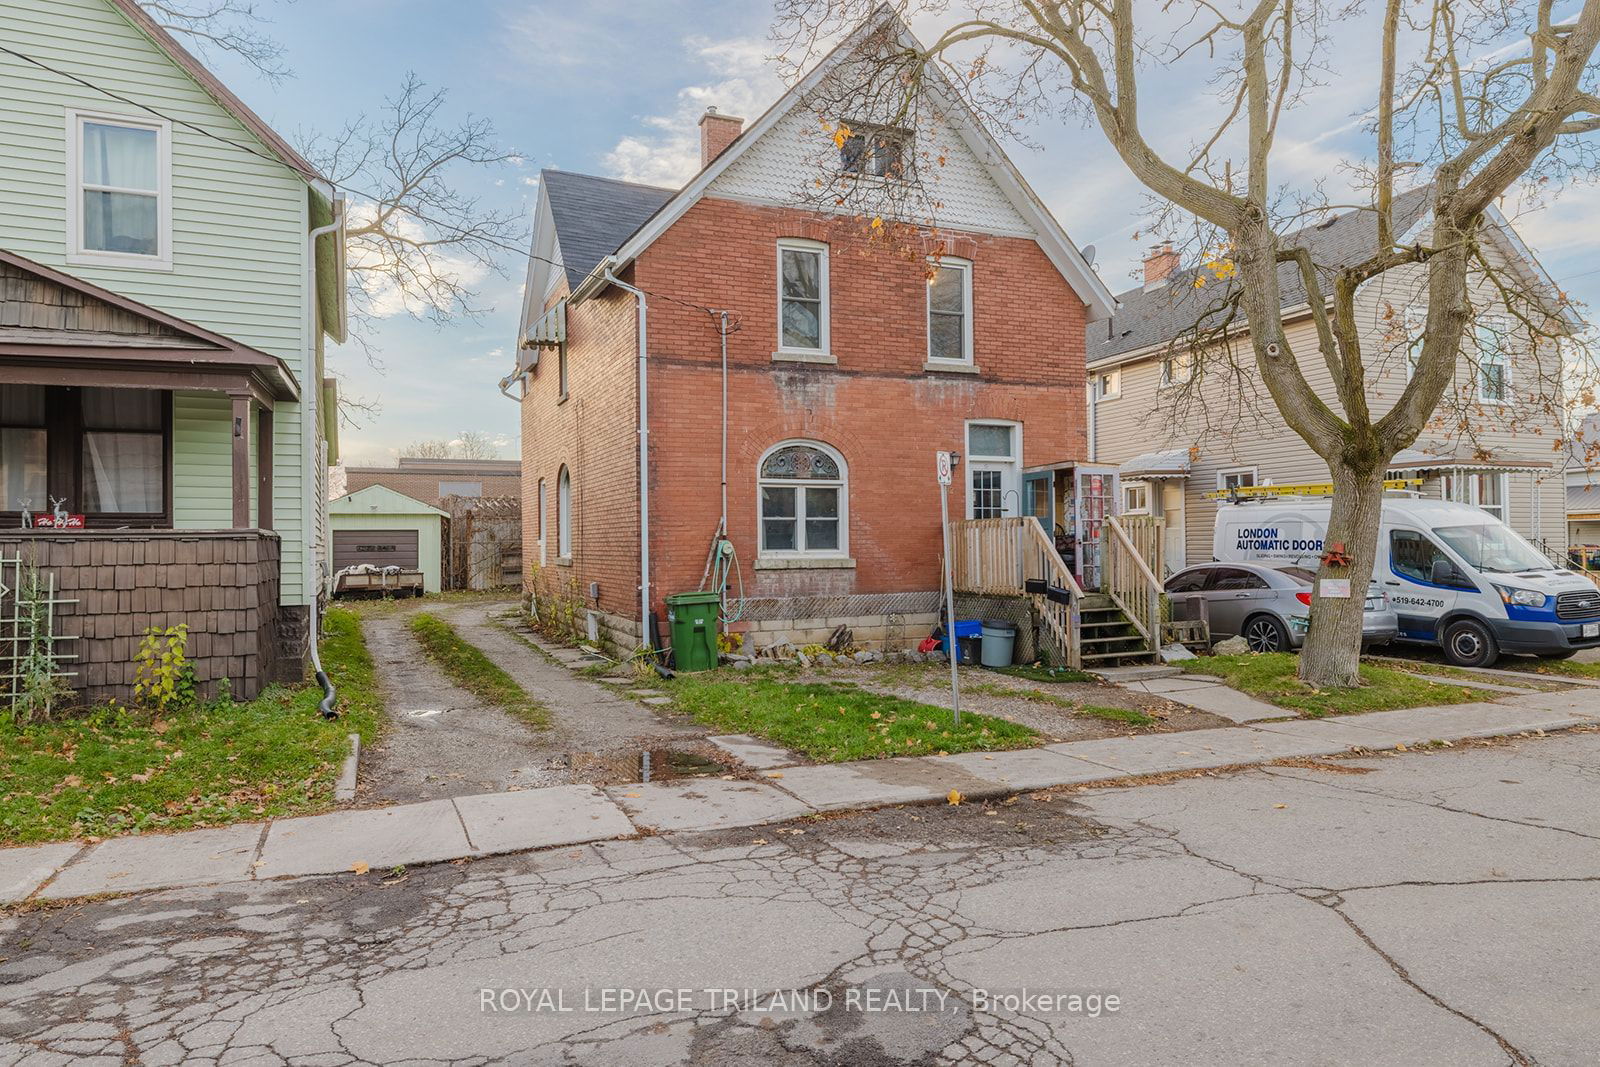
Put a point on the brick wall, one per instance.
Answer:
(424, 486)
(223, 585)
(878, 407)
(592, 432)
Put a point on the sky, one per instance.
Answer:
(615, 87)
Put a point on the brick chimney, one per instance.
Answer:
(1160, 262)
(716, 134)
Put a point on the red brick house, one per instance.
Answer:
(849, 361)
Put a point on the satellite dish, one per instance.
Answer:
(1088, 254)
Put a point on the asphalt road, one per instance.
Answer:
(1420, 908)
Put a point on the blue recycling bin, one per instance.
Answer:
(968, 633)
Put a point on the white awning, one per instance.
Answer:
(1173, 463)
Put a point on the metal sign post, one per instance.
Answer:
(946, 466)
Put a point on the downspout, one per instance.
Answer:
(723, 528)
(308, 416)
(644, 456)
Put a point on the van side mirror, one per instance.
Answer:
(1445, 573)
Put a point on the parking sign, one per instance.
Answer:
(946, 468)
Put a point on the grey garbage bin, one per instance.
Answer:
(998, 638)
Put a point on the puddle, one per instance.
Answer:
(643, 765)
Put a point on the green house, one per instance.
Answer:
(169, 271)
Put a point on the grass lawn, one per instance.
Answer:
(1553, 668)
(116, 770)
(1129, 716)
(1271, 677)
(469, 668)
(837, 722)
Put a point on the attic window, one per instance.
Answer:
(876, 151)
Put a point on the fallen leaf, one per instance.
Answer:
(1400, 748)
(632, 794)
(988, 757)
(1280, 805)
(360, 868)
(991, 813)
(759, 841)
(774, 774)
(954, 796)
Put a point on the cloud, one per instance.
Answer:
(743, 82)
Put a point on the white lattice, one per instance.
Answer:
(29, 606)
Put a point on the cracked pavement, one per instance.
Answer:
(1417, 908)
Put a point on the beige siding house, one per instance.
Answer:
(1177, 428)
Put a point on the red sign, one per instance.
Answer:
(44, 520)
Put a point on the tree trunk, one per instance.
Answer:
(1331, 657)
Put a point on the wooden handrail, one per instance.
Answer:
(1122, 535)
(998, 557)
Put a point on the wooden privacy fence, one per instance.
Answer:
(483, 543)
(1127, 577)
(1016, 557)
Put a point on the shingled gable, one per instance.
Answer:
(50, 320)
(1060, 250)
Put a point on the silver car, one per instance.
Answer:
(1270, 607)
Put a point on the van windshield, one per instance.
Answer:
(1493, 548)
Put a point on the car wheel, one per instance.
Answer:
(1265, 634)
(1468, 643)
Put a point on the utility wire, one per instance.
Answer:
(312, 176)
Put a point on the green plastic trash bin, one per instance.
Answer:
(693, 621)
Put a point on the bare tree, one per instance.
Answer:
(231, 26)
(1473, 99)
(471, 444)
(416, 243)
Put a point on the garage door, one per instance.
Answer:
(381, 548)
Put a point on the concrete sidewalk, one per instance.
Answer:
(491, 824)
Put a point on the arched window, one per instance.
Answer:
(564, 514)
(804, 501)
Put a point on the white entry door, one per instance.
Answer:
(994, 453)
(1172, 548)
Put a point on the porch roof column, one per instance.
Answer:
(241, 460)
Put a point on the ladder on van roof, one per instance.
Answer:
(1242, 493)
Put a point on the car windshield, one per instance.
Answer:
(1493, 548)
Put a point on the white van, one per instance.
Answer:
(1457, 576)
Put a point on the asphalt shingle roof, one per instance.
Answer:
(1160, 314)
(594, 216)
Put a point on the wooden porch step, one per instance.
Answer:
(1097, 602)
(1109, 657)
(1113, 639)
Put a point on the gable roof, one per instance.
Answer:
(594, 216)
(1148, 317)
(42, 320)
(1060, 250)
(381, 500)
(134, 13)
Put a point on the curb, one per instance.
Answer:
(345, 790)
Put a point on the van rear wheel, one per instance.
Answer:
(1468, 643)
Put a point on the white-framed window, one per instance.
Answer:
(876, 151)
(804, 500)
(1415, 321)
(1177, 368)
(993, 451)
(802, 296)
(1108, 385)
(1135, 498)
(1486, 490)
(538, 523)
(1494, 366)
(119, 190)
(564, 514)
(949, 311)
(1236, 478)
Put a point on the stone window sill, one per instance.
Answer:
(943, 366)
(804, 563)
(563, 561)
(822, 358)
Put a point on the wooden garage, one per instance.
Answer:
(379, 526)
